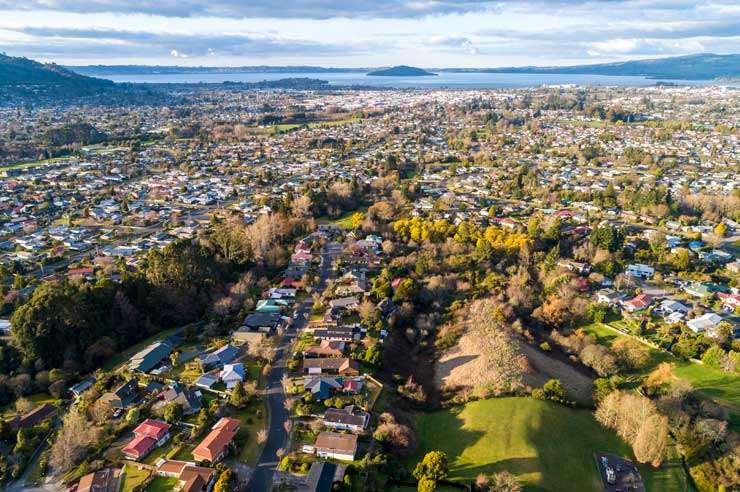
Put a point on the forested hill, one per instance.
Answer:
(703, 66)
(21, 77)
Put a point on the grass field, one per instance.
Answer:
(133, 477)
(36, 399)
(162, 484)
(722, 387)
(344, 221)
(547, 446)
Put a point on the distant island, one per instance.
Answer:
(401, 71)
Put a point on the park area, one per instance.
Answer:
(546, 445)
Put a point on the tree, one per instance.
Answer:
(238, 396)
(224, 481)
(630, 353)
(357, 219)
(172, 412)
(72, 442)
(554, 390)
(433, 466)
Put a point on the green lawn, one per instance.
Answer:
(722, 387)
(250, 425)
(162, 484)
(133, 477)
(548, 446)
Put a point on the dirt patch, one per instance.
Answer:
(577, 384)
(461, 366)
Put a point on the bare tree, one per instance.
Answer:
(72, 442)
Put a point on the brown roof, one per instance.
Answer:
(100, 481)
(33, 417)
(216, 442)
(333, 441)
(196, 478)
(337, 364)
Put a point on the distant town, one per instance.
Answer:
(286, 288)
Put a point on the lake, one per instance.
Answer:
(443, 80)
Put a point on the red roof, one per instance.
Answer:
(156, 429)
(213, 446)
(139, 447)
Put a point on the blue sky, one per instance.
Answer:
(365, 33)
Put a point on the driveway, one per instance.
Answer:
(277, 437)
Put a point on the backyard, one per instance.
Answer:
(547, 446)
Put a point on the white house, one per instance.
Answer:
(639, 270)
(704, 322)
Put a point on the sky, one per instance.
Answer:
(365, 33)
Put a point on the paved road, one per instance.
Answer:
(277, 436)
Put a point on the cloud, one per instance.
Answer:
(458, 42)
(644, 47)
(94, 42)
(296, 9)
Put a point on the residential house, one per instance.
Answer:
(640, 270)
(123, 396)
(245, 336)
(147, 435)
(340, 366)
(609, 296)
(264, 322)
(270, 306)
(33, 417)
(326, 348)
(214, 447)
(637, 303)
(190, 401)
(233, 374)
(344, 303)
(84, 385)
(351, 418)
(332, 445)
(338, 334)
(223, 355)
(704, 323)
(190, 478)
(207, 381)
(106, 480)
(730, 302)
(150, 357)
(322, 387)
(673, 311)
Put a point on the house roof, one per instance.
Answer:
(155, 429)
(333, 441)
(100, 481)
(139, 446)
(216, 442)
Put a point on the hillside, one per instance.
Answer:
(401, 71)
(703, 66)
(21, 77)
